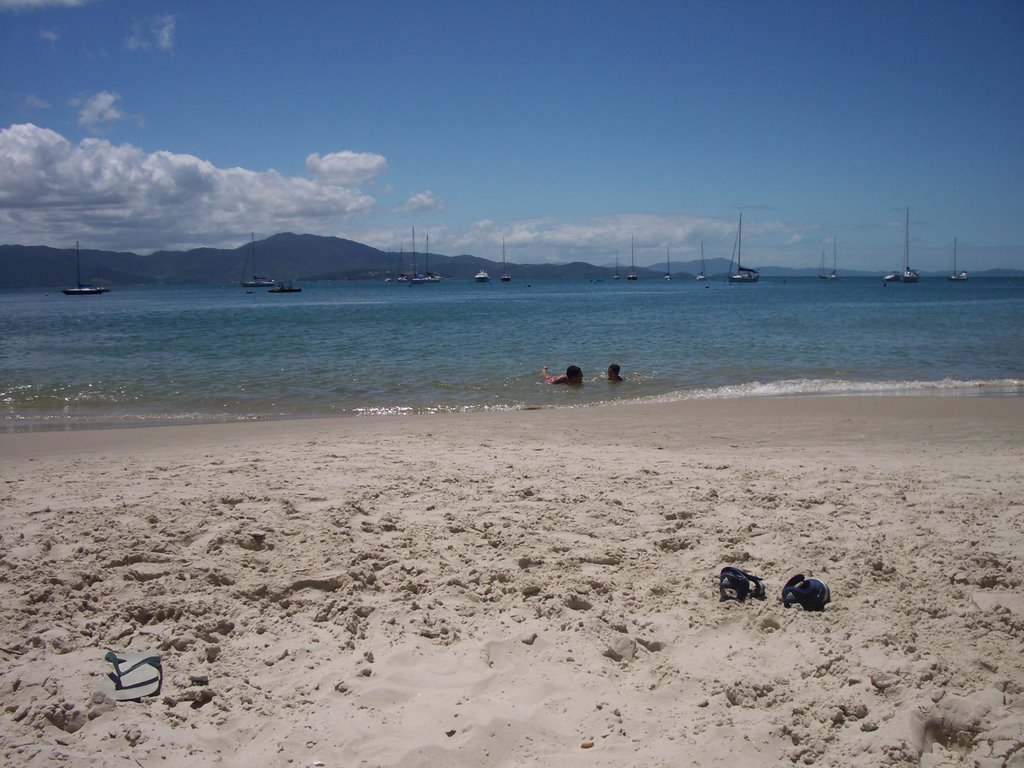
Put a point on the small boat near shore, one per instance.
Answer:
(284, 286)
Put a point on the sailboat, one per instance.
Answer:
(742, 274)
(415, 278)
(668, 265)
(957, 276)
(702, 276)
(80, 289)
(908, 275)
(505, 276)
(402, 277)
(821, 269)
(616, 275)
(835, 245)
(632, 268)
(428, 276)
(257, 281)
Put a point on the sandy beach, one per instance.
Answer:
(526, 588)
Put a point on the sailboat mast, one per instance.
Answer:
(78, 265)
(906, 243)
(739, 244)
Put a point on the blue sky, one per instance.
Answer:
(564, 127)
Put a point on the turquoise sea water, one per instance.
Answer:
(148, 355)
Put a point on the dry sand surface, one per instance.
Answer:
(522, 589)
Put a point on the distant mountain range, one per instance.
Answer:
(307, 258)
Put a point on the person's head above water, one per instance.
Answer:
(613, 372)
(572, 375)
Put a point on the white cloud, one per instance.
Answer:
(48, 36)
(98, 111)
(594, 240)
(163, 31)
(119, 196)
(136, 41)
(34, 102)
(422, 202)
(597, 239)
(345, 168)
(156, 32)
(31, 5)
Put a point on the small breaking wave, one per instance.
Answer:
(788, 387)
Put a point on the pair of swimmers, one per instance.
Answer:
(574, 375)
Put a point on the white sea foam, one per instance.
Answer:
(950, 387)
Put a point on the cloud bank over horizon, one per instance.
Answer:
(123, 198)
(120, 197)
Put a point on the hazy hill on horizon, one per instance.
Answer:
(288, 256)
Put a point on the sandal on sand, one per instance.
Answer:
(135, 675)
(809, 594)
(735, 584)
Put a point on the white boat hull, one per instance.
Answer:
(85, 290)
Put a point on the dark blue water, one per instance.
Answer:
(183, 354)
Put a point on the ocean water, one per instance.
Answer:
(156, 355)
